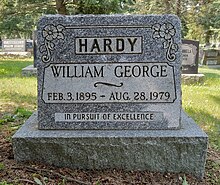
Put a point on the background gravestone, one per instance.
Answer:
(14, 45)
(212, 57)
(109, 96)
(190, 49)
(31, 70)
(106, 72)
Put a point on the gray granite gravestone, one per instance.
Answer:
(107, 72)
(190, 50)
(109, 96)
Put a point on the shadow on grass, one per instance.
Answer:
(208, 122)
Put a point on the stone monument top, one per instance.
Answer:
(109, 72)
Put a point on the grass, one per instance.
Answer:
(202, 103)
(16, 91)
(5, 183)
(18, 96)
(2, 167)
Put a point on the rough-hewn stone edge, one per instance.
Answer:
(162, 150)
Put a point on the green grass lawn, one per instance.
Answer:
(16, 91)
(200, 101)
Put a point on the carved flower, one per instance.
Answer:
(51, 32)
(156, 33)
(165, 31)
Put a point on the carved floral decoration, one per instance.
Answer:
(50, 33)
(166, 32)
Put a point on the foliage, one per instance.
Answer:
(5, 183)
(209, 19)
(97, 7)
(184, 181)
(212, 167)
(6, 118)
(2, 166)
(210, 14)
(18, 18)
(200, 19)
(22, 113)
(37, 181)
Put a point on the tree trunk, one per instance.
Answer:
(178, 8)
(80, 7)
(61, 7)
(167, 5)
(208, 35)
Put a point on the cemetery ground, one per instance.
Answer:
(18, 99)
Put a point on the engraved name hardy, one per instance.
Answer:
(108, 45)
(119, 71)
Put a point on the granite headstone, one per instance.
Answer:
(103, 82)
(109, 72)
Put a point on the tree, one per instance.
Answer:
(90, 6)
(61, 7)
(200, 18)
(209, 18)
(18, 18)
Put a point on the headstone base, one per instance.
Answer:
(181, 150)
(192, 78)
(15, 53)
(29, 71)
